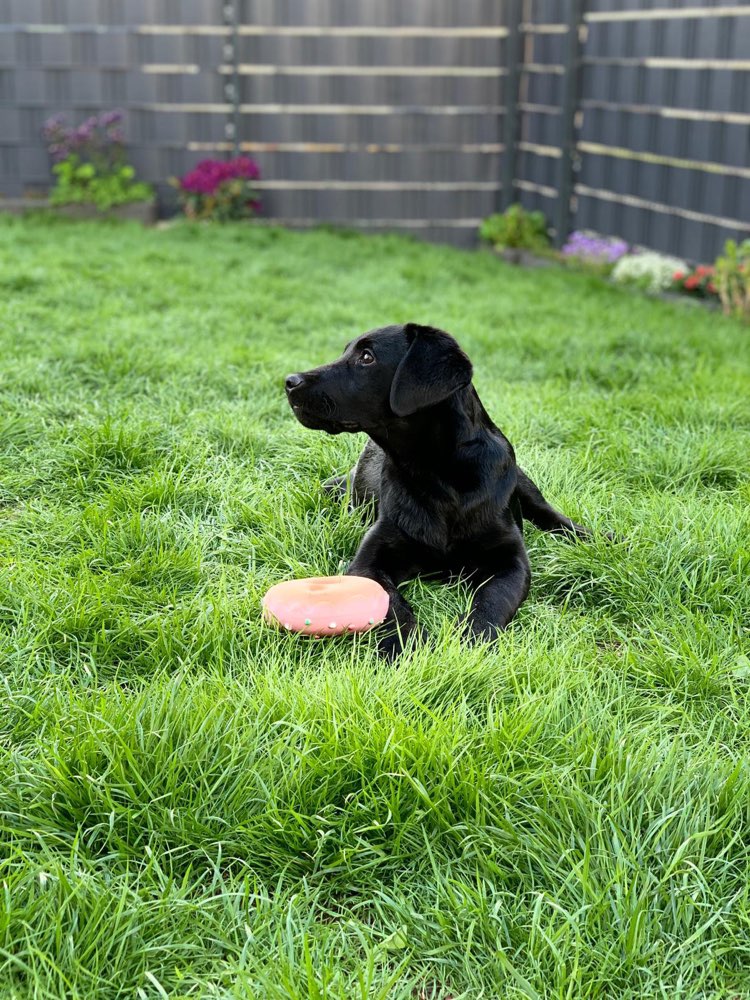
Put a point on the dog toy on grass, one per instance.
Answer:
(326, 605)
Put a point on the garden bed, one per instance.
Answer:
(144, 212)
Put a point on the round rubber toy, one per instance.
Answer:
(326, 605)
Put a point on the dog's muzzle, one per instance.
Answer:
(317, 410)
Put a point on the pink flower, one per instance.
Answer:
(208, 175)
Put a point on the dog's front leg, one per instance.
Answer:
(542, 514)
(498, 597)
(380, 558)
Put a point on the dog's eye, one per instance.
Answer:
(366, 357)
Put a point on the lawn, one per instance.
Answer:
(195, 805)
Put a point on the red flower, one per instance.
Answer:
(678, 276)
(692, 282)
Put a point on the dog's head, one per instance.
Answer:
(384, 375)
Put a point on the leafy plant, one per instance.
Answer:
(651, 271)
(733, 279)
(79, 183)
(699, 282)
(220, 189)
(600, 253)
(515, 229)
(89, 163)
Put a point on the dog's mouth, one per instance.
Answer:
(322, 422)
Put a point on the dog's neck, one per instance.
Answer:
(425, 439)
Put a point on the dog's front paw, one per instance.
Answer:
(476, 630)
(391, 644)
(336, 487)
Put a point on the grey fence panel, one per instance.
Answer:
(541, 135)
(384, 13)
(352, 109)
(408, 116)
(356, 96)
(156, 60)
(664, 143)
(370, 126)
(289, 49)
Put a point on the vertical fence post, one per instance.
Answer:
(510, 124)
(232, 81)
(570, 96)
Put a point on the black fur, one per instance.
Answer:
(448, 495)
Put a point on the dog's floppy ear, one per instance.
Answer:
(433, 368)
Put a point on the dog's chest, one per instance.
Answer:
(442, 520)
(462, 508)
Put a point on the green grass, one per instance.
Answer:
(194, 805)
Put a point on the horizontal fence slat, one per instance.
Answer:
(636, 202)
(350, 147)
(667, 161)
(246, 69)
(667, 13)
(554, 69)
(531, 28)
(337, 185)
(327, 109)
(667, 62)
(247, 30)
(401, 223)
(540, 150)
(545, 189)
(541, 109)
(689, 114)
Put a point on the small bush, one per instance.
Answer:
(220, 189)
(89, 163)
(653, 272)
(733, 279)
(515, 229)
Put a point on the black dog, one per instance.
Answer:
(450, 498)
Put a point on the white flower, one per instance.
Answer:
(653, 270)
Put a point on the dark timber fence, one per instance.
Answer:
(627, 117)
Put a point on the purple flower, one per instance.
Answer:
(110, 118)
(208, 175)
(221, 189)
(594, 249)
(98, 138)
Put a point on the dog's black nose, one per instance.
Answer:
(292, 381)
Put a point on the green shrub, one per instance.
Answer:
(89, 163)
(79, 183)
(733, 279)
(515, 229)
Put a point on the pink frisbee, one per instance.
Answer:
(326, 605)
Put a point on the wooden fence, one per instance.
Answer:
(627, 117)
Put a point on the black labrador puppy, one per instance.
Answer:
(448, 494)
